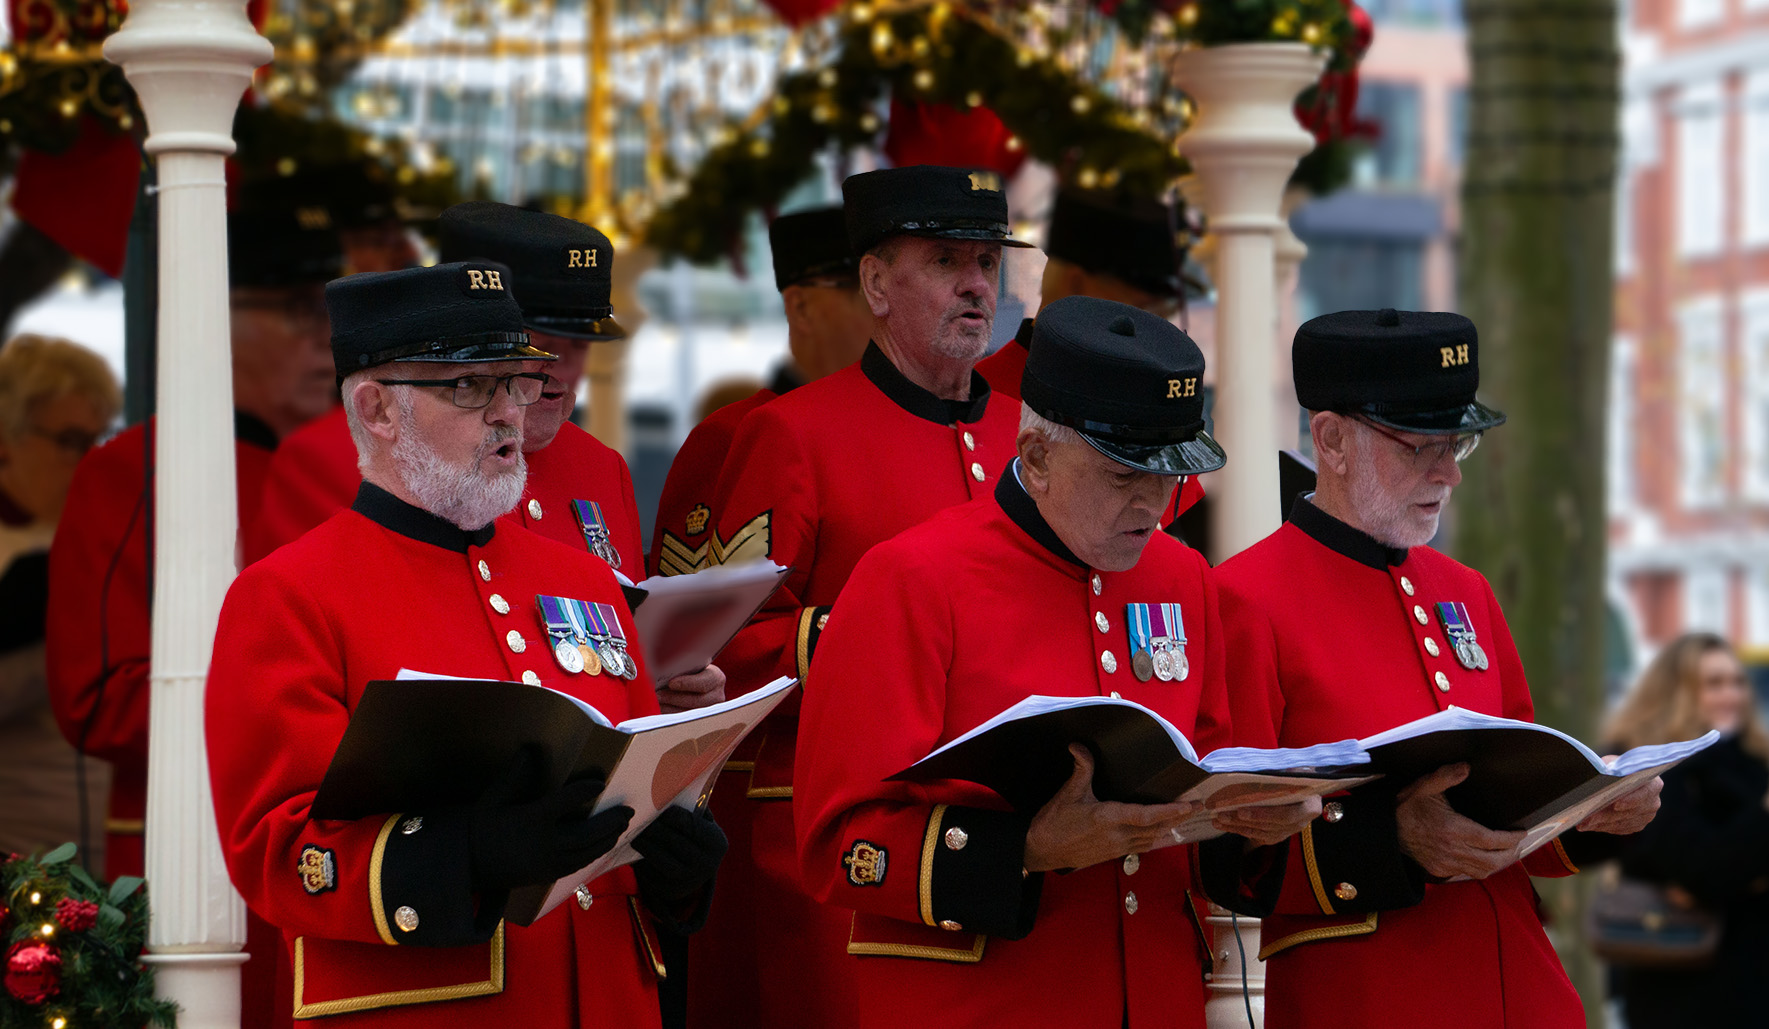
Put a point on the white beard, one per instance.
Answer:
(1385, 517)
(460, 494)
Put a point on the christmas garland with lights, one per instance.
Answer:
(936, 54)
(73, 948)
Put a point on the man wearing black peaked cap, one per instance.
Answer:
(1057, 583)
(421, 573)
(813, 480)
(827, 327)
(1344, 623)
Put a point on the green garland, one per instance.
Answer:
(72, 956)
(936, 55)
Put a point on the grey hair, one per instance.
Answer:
(1032, 421)
(365, 441)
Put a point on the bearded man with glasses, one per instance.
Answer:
(1344, 623)
(423, 572)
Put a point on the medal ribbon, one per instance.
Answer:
(1175, 623)
(607, 616)
(558, 625)
(1139, 627)
(1157, 613)
(574, 610)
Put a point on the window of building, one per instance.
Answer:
(1621, 425)
(1694, 14)
(1704, 601)
(1754, 152)
(1702, 403)
(1700, 188)
(1361, 274)
(1394, 158)
(1754, 394)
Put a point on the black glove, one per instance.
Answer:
(681, 852)
(538, 841)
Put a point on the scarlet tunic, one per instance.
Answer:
(815, 479)
(295, 647)
(1006, 366)
(937, 631)
(315, 476)
(681, 537)
(100, 588)
(1333, 635)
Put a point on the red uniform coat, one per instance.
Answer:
(99, 613)
(936, 632)
(314, 476)
(1333, 635)
(814, 480)
(680, 538)
(379, 588)
(1006, 366)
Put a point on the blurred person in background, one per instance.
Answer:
(1710, 841)
(56, 400)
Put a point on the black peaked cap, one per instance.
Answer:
(808, 244)
(1130, 382)
(1416, 371)
(925, 200)
(456, 313)
(563, 269)
(279, 234)
(1128, 237)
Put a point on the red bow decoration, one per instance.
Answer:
(1331, 110)
(798, 12)
(938, 134)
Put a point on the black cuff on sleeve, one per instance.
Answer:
(426, 883)
(24, 601)
(811, 622)
(1592, 848)
(1361, 850)
(974, 878)
(1246, 882)
(681, 917)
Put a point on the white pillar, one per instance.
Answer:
(1232, 992)
(1243, 147)
(189, 62)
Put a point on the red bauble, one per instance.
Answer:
(938, 134)
(76, 916)
(798, 12)
(33, 972)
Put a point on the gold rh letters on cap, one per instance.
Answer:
(1179, 388)
(985, 181)
(580, 259)
(487, 279)
(1453, 356)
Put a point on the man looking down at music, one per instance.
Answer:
(1047, 586)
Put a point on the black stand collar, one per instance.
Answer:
(1024, 336)
(249, 428)
(1019, 506)
(1341, 538)
(919, 402)
(388, 511)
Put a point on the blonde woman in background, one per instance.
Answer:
(56, 400)
(1711, 837)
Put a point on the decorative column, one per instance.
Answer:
(189, 62)
(1243, 147)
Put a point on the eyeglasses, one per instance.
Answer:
(1457, 448)
(75, 442)
(477, 391)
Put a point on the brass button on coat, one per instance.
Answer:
(516, 642)
(956, 838)
(584, 898)
(1419, 613)
(1132, 863)
(1130, 904)
(1332, 811)
(970, 442)
(1406, 585)
(406, 919)
(499, 604)
(1443, 682)
(534, 510)
(1097, 584)
(976, 472)
(1108, 661)
(950, 926)
(1099, 621)
(1345, 891)
(411, 825)
(1431, 646)
(484, 571)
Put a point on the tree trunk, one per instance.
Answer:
(1536, 278)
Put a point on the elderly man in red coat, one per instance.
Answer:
(1041, 588)
(1344, 623)
(396, 919)
(815, 479)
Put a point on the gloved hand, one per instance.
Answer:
(681, 850)
(541, 840)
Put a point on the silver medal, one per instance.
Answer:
(1163, 666)
(566, 653)
(1181, 666)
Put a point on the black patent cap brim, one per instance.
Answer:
(980, 235)
(481, 354)
(1455, 421)
(593, 329)
(1195, 456)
